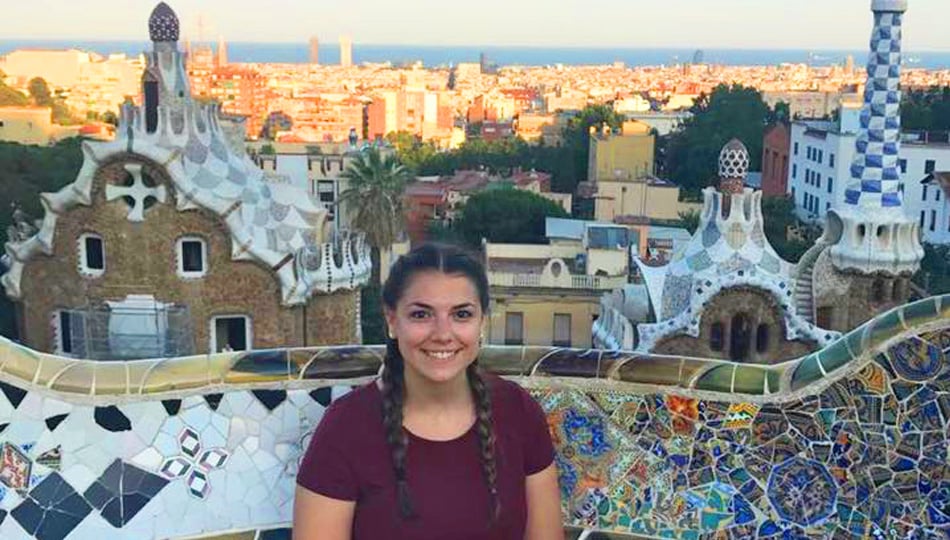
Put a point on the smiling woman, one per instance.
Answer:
(435, 448)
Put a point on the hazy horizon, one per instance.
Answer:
(696, 24)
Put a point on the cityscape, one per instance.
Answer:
(723, 273)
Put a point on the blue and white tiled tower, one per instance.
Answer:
(874, 233)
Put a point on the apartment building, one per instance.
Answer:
(821, 153)
(548, 295)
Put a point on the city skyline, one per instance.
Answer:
(733, 24)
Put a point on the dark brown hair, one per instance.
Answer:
(454, 261)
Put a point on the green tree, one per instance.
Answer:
(40, 93)
(416, 155)
(375, 190)
(110, 117)
(780, 215)
(689, 220)
(25, 172)
(506, 215)
(276, 121)
(374, 198)
(934, 273)
(692, 152)
(926, 110)
(10, 96)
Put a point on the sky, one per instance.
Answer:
(738, 24)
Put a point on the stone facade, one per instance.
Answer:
(141, 258)
(758, 309)
(846, 299)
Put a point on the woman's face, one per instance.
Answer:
(436, 324)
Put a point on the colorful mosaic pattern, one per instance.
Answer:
(875, 178)
(849, 442)
(865, 457)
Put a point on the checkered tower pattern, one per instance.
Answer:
(875, 178)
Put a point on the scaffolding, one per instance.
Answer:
(121, 332)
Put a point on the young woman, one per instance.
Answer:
(435, 449)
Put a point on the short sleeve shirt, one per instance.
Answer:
(349, 459)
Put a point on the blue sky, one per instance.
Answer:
(758, 24)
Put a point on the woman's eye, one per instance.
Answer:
(464, 314)
(418, 314)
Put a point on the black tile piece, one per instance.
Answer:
(14, 395)
(51, 510)
(213, 400)
(270, 398)
(112, 419)
(275, 534)
(122, 491)
(4, 427)
(3, 516)
(172, 406)
(323, 396)
(53, 422)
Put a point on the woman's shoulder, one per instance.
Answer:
(360, 404)
(507, 395)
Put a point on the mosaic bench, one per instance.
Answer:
(848, 442)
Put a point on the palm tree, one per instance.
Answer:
(374, 197)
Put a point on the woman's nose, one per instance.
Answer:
(443, 328)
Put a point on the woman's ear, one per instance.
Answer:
(390, 321)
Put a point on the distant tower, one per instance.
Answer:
(483, 62)
(165, 81)
(314, 50)
(849, 64)
(874, 246)
(346, 51)
(222, 57)
(698, 57)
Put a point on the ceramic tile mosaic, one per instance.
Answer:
(849, 442)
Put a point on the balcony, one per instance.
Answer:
(127, 330)
(549, 281)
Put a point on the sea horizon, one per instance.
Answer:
(517, 55)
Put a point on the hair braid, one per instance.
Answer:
(393, 396)
(486, 437)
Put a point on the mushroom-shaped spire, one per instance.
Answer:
(163, 25)
(733, 166)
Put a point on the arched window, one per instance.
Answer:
(762, 338)
(715, 337)
(739, 337)
(150, 90)
(877, 291)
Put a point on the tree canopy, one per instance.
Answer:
(374, 192)
(40, 93)
(934, 274)
(25, 172)
(10, 96)
(780, 215)
(927, 110)
(506, 215)
(692, 152)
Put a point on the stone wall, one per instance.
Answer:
(759, 308)
(848, 299)
(850, 442)
(141, 258)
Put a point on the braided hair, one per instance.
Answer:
(449, 260)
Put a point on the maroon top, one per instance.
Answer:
(349, 459)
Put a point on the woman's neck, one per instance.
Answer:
(424, 396)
